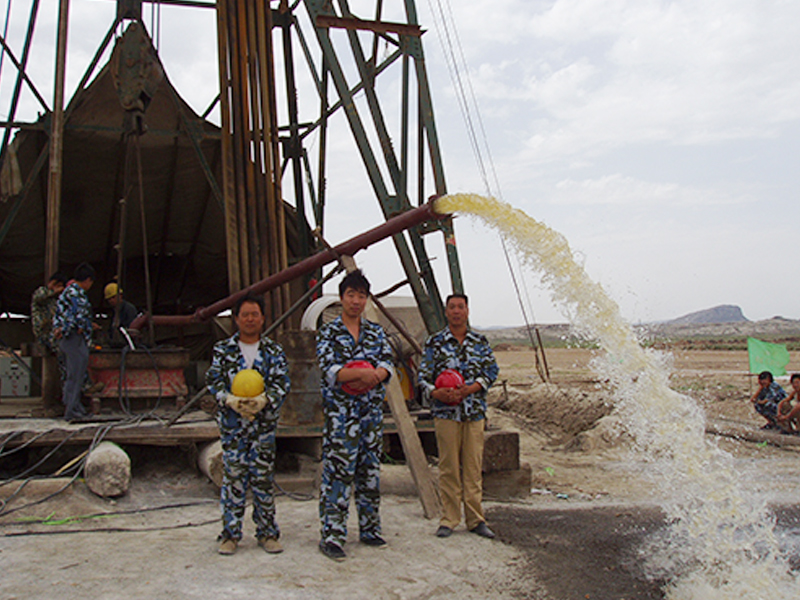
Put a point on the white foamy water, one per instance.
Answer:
(721, 543)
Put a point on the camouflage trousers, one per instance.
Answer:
(248, 461)
(351, 451)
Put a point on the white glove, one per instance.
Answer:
(247, 407)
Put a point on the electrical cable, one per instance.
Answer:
(122, 384)
(98, 437)
(300, 497)
(25, 444)
(42, 460)
(116, 513)
(115, 529)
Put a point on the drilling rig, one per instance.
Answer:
(181, 211)
(316, 107)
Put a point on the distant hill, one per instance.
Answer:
(717, 324)
(725, 313)
(773, 329)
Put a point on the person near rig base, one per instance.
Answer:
(247, 426)
(355, 360)
(43, 309)
(73, 327)
(122, 314)
(459, 412)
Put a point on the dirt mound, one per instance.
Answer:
(508, 347)
(560, 413)
(607, 432)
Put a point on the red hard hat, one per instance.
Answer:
(449, 378)
(355, 364)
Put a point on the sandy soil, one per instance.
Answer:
(575, 536)
(172, 554)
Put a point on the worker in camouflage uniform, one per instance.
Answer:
(247, 431)
(459, 415)
(43, 309)
(72, 327)
(352, 400)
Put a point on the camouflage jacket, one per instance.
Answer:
(228, 360)
(473, 359)
(772, 394)
(336, 347)
(74, 312)
(43, 309)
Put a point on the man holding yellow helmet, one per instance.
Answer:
(249, 377)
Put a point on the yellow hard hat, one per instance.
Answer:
(247, 383)
(111, 290)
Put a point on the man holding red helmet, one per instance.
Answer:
(457, 369)
(356, 360)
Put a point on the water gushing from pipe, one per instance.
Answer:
(721, 544)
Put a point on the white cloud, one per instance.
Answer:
(640, 129)
(617, 189)
(589, 75)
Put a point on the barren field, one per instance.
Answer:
(559, 420)
(575, 536)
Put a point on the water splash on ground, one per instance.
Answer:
(721, 544)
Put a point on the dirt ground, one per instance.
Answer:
(571, 453)
(575, 536)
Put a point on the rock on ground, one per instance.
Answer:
(108, 470)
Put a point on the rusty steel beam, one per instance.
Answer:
(228, 171)
(53, 222)
(330, 22)
(391, 227)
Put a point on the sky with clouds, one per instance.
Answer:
(660, 137)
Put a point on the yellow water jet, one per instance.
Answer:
(721, 545)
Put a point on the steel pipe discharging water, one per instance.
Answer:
(406, 220)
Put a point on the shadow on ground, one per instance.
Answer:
(593, 553)
(583, 553)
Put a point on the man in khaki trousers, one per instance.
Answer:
(457, 369)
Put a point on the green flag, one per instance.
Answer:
(767, 357)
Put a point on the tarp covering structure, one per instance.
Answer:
(180, 165)
(185, 240)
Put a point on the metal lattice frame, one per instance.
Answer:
(312, 24)
(331, 40)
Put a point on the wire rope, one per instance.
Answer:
(465, 94)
